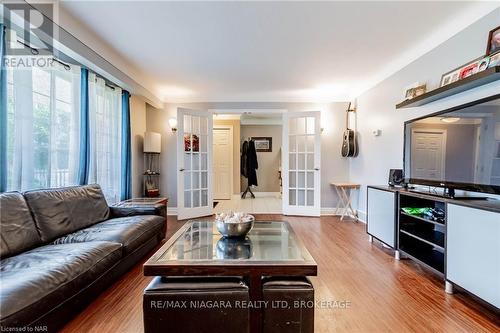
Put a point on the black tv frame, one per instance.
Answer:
(450, 186)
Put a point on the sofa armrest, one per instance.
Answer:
(117, 211)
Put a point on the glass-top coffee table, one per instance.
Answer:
(270, 249)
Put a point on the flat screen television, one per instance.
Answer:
(458, 148)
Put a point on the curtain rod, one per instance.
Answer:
(66, 66)
(35, 51)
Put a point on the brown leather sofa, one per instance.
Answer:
(59, 248)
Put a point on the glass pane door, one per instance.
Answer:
(194, 167)
(302, 153)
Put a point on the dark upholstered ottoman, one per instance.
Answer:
(299, 293)
(196, 304)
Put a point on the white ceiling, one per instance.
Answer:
(269, 51)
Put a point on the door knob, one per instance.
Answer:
(316, 169)
(182, 169)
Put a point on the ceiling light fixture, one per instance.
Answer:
(450, 119)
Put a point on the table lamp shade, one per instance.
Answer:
(152, 142)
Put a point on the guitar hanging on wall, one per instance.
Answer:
(349, 140)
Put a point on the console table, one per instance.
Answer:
(463, 247)
(345, 198)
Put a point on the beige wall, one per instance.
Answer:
(137, 129)
(269, 162)
(235, 123)
(333, 166)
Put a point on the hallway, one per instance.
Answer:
(261, 204)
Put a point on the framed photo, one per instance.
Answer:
(415, 91)
(469, 70)
(493, 41)
(494, 60)
(483, 64)
(263, 143)
(450, 77)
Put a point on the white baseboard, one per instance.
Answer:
(325, 211)
(331, 211)
(261, 194)
(362, 216)
(171, 211)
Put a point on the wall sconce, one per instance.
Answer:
(172, 122)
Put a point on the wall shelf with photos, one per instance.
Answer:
(484, 77)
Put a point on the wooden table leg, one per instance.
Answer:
(255, 291)
(348, 206)
(345, 202)
(339, 201)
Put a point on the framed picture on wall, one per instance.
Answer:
(464, 71)
(493, 41)
(494, 60)
(450, 77)
(263, 143)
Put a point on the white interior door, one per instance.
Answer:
(428, 148)
(194, 163)
(301, 163)
(223, 163)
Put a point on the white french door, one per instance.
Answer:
(301, 156)
(194, 163)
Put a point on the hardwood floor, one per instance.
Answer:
(385, 295)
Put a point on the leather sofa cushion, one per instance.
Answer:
(61, 211)
(44, 277)
(286, 282)
(18, 228)
(131, 231)
(123, 210)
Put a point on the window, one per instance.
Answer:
(43, 130)
(105, 106)
(42, 127)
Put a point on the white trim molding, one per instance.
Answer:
(325, 211)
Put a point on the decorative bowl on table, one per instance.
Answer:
(234, 224)
(234, 248)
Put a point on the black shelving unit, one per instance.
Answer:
(487, 76)
(151, 175)
(419, 237)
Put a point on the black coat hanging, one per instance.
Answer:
(243, 160)
(252, 164)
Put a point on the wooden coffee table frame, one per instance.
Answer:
(252, 271)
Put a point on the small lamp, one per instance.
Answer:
(172, 122)
(152, 142)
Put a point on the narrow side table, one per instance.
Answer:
(345, 199)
